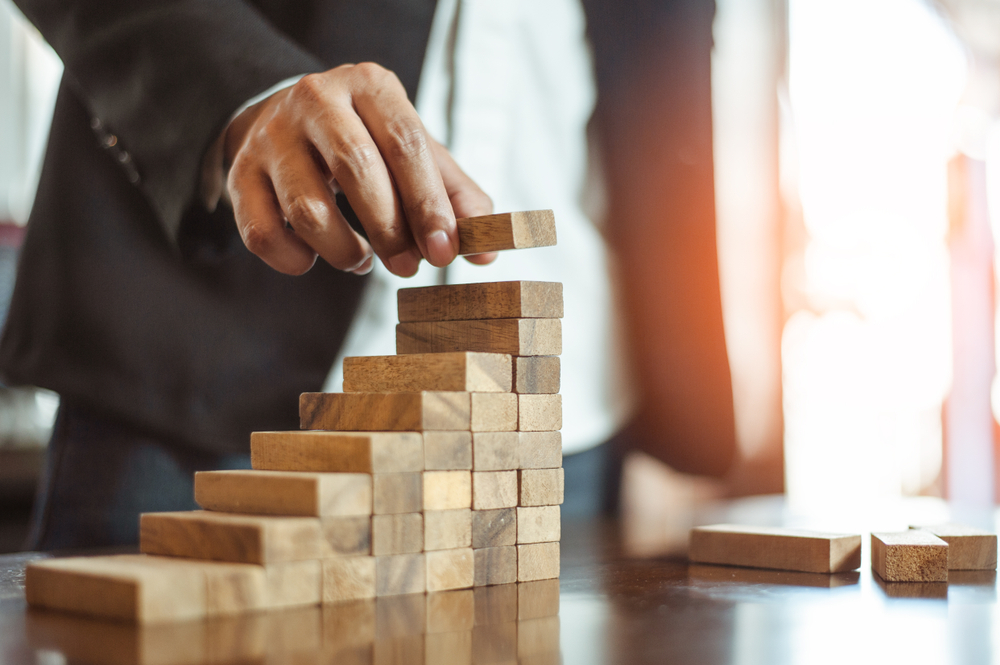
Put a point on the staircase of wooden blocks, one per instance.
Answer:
(438, 468)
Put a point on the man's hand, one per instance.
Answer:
(351, 127)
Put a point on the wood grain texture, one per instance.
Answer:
(447, 490)
(969, 548)
(537, 561)
(494, 528)
(397, 534)
(537, 599)
(493, 412)
(447, 529)
(284, 492)
(538, 524)
(494, 451)
(400, 573)
(508, 230)
(384, 411)
(235, 538)
(539, 450)
(494, 489)
(487, 300)
(517, 337)
(540, 487)
(539, 413)
(537, 375)
(451, 611)
(910, 556)
(776, 548)
(396, 493)
(496, 565)
(347, 452)
(451, 372)
(294, 584)
(450, 569)
(348, 578)
(447, 451)
(348, 536)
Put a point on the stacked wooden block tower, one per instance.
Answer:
(437, 468)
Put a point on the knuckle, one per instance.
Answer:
(309, 88)
(259, 238)
(370, 72)
(307, 216)
(407, 139)
(358, 157)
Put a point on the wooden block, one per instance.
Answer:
(495, 451)
(537, 561)
(348, 578)
(910, 556)
(537, 599)
(969, 548)
(538, 636)
(284, 492)
(345, 452)
(538, 524)
(447, 490)
(493, 412)
(494, 489)
(450, 569)
(494, 528)
(384, 411)
(539, 450)
(774, 547)
(236, 538)
(518, 337)
(397, 534)
(540, 487)
(447, 529)
(539, 413)
(452, 372)
(348, 536)
(400, 573)
(447, 451)
(508, 230)
(293, 584)
(536, 375)
(496, 604)
(487, 300)
(451, 611)
(396, 493)
(496, 565)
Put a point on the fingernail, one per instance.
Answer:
(365, 267)
(404, 264)
(439, 249)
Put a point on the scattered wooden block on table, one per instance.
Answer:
(538, 524)
(385, 411)
(450, 569)
(447, 529)
(539, 450)
(494, 489)
(487, 300)
(494, 528)
(395, 493)
(348, 536)
(348, 578)
(347, 452)
(539, 413)
(447, 451)
(969, 548)
(536, 374)
(400, 573)
(496, 565)
(508, 230)
(440, 372)
(537, 599)
(910, 556)
(537, 561)
(235, 538)
(447, 490)
(397, 534)
(284, 492)
(775, 547)
(495, 451)
(540, 487)
(493, 412)
(517, 337)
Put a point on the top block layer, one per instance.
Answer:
(777, 548)
(508, 230)
(487, 300)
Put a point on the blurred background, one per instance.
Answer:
(857, 183)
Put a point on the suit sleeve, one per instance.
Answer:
(161, 80)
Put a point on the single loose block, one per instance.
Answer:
(508, 230)
(536, 374)
(494, 489)
(493, 412)
(494, 451)
(495, 565)
(910, 556)
(396, 493)
(447, 490)
(539, 450)
(397, 534)
(348, 578)
(537, 561)
(400, 573)
(538, 524)
(494, 528)
(447, 451)
(284, 492)
(450, 569)
(969, 548)
(489, 300)
(455, 372)
(447, 529)
(348, 452)
(540, 487)
(517, 337)
(774, 547)
(385, 411)
(539, 413)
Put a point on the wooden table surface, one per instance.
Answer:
(612, 609)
